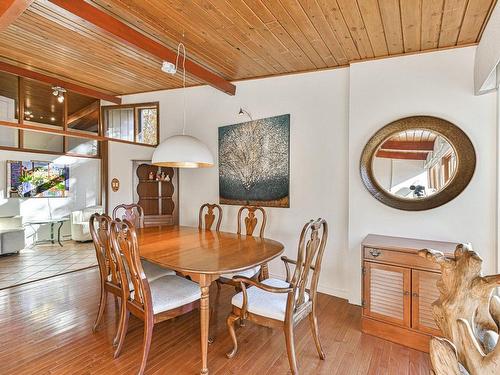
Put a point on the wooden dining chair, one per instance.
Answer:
(107, 260)
(251, 222)
(283, 304)
(152, 301)
(131, 212)
(100, 226)
(209, 218)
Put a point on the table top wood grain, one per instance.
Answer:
(189, 249)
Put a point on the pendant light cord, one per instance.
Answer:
(183, 81)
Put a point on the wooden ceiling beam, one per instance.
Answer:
(85, 111)
(401, 155)
(5, 67)
(10, 10)
(130, 36)
(61, 131)
(408, 145)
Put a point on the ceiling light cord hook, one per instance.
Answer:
(184, 54)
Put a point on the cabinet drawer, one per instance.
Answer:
(398, 257)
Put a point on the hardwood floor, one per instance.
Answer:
(46, 328)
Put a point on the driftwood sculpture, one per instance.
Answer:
(467, 314)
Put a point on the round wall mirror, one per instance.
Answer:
(417, 163)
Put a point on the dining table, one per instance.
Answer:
(204, 255)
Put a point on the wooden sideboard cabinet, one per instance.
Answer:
(398, 289)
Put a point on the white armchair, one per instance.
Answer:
(12, 238)
(80, 230)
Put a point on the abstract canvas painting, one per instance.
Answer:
(37, 179)
(254, 162)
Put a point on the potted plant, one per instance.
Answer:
(26, 186)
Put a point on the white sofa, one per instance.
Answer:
(80, 230)
(12, 238)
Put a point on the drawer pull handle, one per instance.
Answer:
(406, 293)
(414, 294)
(375, 253)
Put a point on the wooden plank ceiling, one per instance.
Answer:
(235, 39)
(411, 144)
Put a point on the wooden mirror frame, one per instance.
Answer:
(459, 141)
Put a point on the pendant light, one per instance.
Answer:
(182, 151)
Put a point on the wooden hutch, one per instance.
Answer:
(159, 198)
(399, 287)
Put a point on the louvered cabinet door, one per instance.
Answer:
(424, 293)
(387, 293)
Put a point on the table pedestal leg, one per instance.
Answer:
(59, 234)
(52, 233)
(204, 321)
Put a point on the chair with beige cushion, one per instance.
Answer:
(205, 221)
(251, 223)
(283, 304)
(100, 226)
(80, 230)
(152, 301)
(131, 212)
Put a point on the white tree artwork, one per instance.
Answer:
(254, 162)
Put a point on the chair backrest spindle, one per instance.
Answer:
(251, 220)
(109, 264)
(131, 212)
(209, 217)
(309, 257)
(124, 241)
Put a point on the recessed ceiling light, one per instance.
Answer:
(27, 113)
(52, 119)
(31, 116)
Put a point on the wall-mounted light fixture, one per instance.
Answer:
(243, 112)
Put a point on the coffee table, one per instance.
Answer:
(52, 223)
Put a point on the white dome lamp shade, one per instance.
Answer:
(183, 151)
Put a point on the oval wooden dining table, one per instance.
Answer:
(204, 255)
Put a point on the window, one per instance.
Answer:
(41, 107)
(81, 146)
(8, 108)
(83, 113)
(147, 125)
(133, 123)
(119, 123)
(42, 141)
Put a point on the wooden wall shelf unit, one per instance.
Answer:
(158, 199)
(398, 289)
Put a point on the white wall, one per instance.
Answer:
(487, 68)
(438, 84)
(120, 165)
(84, 191)
(333, 114)
(318, 105)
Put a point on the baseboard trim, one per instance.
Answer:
(336, 292)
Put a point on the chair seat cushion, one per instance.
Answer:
(260, 302)
(246, 273)
(170, 292)
(153, 271)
